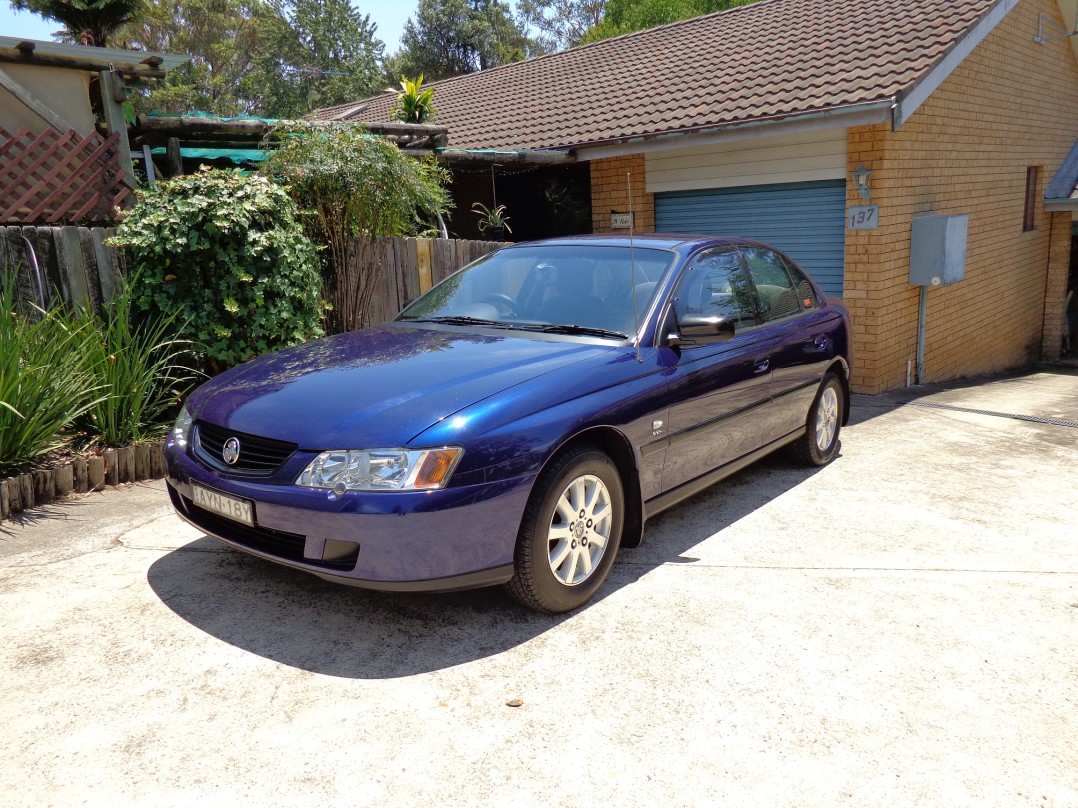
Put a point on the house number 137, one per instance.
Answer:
(863, 217)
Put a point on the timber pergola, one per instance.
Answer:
(178, 132)
(155, 130)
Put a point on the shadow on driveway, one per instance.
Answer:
(299, 620)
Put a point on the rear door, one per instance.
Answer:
(803, 332)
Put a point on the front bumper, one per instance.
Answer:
(456, 538)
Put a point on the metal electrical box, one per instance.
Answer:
(938, 250)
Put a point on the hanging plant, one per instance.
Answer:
(491, 218)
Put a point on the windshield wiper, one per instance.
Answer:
(584, 330)
(460, 320)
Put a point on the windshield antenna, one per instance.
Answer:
(632, 268)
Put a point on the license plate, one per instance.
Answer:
(238, 510)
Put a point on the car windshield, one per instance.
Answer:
(575, 289)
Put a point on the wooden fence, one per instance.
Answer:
(75, 262)
(414, 265)
(72, 261)
(54, 177)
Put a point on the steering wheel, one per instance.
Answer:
(498, 299)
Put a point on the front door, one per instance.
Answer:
(721, 389)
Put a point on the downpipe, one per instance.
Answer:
(922, 310)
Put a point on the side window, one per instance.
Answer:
(778, 298)
(714, 284)
(806, 295)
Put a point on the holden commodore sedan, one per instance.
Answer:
(520, 422)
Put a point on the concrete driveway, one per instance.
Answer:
(900, 628)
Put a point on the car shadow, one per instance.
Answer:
(299, 620)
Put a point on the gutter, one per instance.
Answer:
(1057, 205)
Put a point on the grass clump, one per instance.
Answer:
(46, 381)
(72, 380)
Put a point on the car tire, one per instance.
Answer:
(578, 501)
(819, 445)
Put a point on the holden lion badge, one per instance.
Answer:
(230, 452)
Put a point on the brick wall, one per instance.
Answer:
(1011, 104)
(609, 192)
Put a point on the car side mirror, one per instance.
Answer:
(704, 329)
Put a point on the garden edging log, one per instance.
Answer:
(82, 475)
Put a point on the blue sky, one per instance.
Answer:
(388, 15)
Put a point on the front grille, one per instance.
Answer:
(275, 543)
(259, 457)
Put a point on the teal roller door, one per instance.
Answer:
(806, 220)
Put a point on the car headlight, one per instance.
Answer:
(182, 428)
(381, 469)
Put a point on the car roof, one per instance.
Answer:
(662, 241)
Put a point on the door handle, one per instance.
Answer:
(760, 364)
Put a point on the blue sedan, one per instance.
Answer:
(520, 422)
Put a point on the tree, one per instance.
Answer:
(92, 22)
(326, 54)
(356, 189)
(625, 16)
(226, 40)
(561, 23)
(452, 37)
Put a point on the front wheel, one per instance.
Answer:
(570, 532)
(819, 445)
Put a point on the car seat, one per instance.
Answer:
(573, 302)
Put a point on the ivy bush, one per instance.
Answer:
(224, 250)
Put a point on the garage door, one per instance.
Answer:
(806, 220)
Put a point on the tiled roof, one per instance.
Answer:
(771, 59)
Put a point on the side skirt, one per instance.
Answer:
(685, 490)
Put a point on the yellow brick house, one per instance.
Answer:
(827, 128)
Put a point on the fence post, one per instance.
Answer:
(423, 262)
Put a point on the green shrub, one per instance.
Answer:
(225, 251)
(45, 379)
(142, 370)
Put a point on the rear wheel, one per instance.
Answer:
(570, 532)
(819, 445)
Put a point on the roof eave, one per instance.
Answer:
(1063, 184)
(83, 57)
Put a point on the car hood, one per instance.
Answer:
(375, 388)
